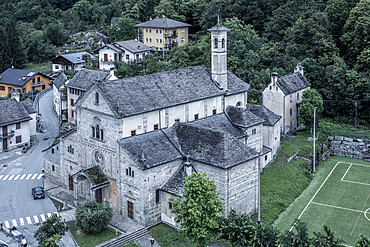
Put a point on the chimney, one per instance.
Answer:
(24, 77)
(135, 40)
(112, 75)
(15, 95)
(188, 167)
(274, 77)
(150, 18)
(298, 68)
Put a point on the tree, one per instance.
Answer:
(129, 69)
(301, 238)
(237, 228)
(266, 236)
(363, 241)
(50, 231)
(93, 217)
(310, 99)
(328, 239)
(199, 210)
(123, 29)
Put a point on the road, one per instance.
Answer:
(22, 173)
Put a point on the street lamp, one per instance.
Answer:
(151, 241)
(314, 139)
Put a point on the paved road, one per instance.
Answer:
(22, 173)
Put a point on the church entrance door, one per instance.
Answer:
(130, 210)
(70, 180)
(99, 195)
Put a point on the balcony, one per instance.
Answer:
(106, 61)
(36, 84)
(7, 135)
(170, 35)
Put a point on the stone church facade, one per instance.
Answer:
(137, 139)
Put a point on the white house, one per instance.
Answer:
(283, 95)
(60, 95)
(17, 123)
(72, 61)
(122, 51)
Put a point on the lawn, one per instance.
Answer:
(339, 197)
(44, 68)
(89, 240)
(168, 237)
(282, 183)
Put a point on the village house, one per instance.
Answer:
(283, 95)
(163, 33)
(122, 51)
(60, 96)
(138, 138)
(17, 122)
(73, 61)
(23, 81)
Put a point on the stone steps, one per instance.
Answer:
(125, 239)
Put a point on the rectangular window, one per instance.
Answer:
(146, 40)
(297, 96)
(291, 112)
(38, 79)
(182, 40)
(156, 40)
(2, 88)
(150, 40)
(146, 30)
(291, 124)
(160, 41)
(115, 57)
(18, 139)
(291, 98)
(33, 80)
(17, 126)
(156, 31)
(133, 132)
(170, 205)
(277, 88)
(72, 102)
(183, 30)
(156, 196)
(127, 57)
(52, 150)
(196, 116)
(265, 157)
(254, 131)
(155, 126)
(214, 111)
(160, 31)
(126, 171)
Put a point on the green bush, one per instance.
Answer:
(93, 217)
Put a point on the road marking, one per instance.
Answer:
(16, 177)
(36, 219)
(14, 223)
(22, 176)
(42, 217)
(28, 177)
(331, 206)
(29, 222)
(1, 176)
(7, 224)
(34, 176)
(49, 215)
(11, 177)
(21, 221)
(40, 176)
(6, 176)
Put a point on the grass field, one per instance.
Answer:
(339, 197)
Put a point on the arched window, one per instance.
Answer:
(223, 43)
(93, 131)
(216, 43)
(239, 103)
(101, 134)
(97, 131)
(96, 98)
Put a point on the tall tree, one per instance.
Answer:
(123, 29)
(199, 209)
(326, 239)
(311, 99)
(49, 233)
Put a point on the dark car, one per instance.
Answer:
(38, 193)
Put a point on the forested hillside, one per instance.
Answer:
(330, 38)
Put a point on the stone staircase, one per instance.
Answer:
(125, 239)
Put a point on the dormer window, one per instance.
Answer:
(97, 98)
(223, 43)
(216, 43)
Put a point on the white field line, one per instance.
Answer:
(313, 197)
(346, 172)
(353, 164)
(355, 182)
(331, 206)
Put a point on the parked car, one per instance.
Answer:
(38, 193)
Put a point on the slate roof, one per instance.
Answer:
(163, 23)
(58, 82)
(242, 117)
(221, 123)
(264, 113)
(84, 78)
(28, 105)
(175, 185)
(76, 58)
(14, 76)
(135, 95)
(209, 146)
(154, 146)
(95, 175)
(133, 45)
(292, 83)
(12, 111)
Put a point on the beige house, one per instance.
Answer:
(164, 33)
(283, 95)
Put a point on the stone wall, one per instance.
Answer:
(349, 147)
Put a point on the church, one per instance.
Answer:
(138, 138)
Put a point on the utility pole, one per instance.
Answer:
(259, 191)
(355, 115)
(314, 139)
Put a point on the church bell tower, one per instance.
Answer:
(219, 54)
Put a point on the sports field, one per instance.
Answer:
(339, 197)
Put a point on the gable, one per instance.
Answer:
(88, 101)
